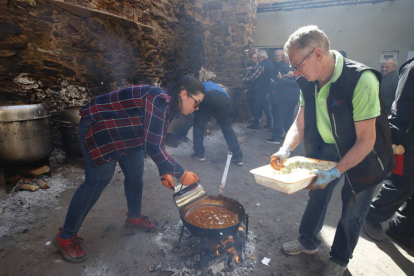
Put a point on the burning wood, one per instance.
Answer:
(227, 245)
(29, 187)
(227, 256)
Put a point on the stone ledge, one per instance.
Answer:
(88, 13)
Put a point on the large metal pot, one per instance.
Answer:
(211, 201)
(25, 134)
(69, 129)
(193, 197)
(71, 114)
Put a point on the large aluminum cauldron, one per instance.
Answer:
(192, 197)
(69, 128)
(212, 201)
(25, 134)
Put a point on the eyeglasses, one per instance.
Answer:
(196, 103)
(300, 63)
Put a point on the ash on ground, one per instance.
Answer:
(18, 208)
(183, 259)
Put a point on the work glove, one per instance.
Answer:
(186, 179)
(323, 178)
(277, 159)
(168, 181)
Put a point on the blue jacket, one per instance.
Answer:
(209, 85)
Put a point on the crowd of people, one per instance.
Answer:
(341, 117)
(272, 89)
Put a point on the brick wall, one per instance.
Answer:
(65, 52)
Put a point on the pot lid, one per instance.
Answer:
(19, 111)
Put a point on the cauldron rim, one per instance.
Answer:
(208, 232)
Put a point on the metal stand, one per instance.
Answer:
(181, 234)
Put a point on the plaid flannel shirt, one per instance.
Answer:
(259, 70)
(129, 119)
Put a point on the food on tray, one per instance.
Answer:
(295, 174)
(296, 169)
(212, 217)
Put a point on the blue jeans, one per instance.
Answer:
(349, 225)
(98, 177)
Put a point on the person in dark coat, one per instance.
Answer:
(280, 66)
(251, 88)
(284, 98)
(389, 83)
(396, 197)
(261, 78)
(216, 104)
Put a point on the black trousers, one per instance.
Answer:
(215, 104)
(397, 191)
(250, 99)
(282, 116)
(261, 104)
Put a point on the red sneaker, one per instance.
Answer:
(71, 248)
(142, 223)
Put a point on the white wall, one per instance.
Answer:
(364, 31)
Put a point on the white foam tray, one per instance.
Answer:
(266, 176)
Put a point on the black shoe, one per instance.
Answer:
(171, 143)
(273, 141)
(253, 126)
(199, 158)
(400, 238)
(237, 161)
(185, 139)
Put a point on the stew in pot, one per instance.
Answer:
(212, 217)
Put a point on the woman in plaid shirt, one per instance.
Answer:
(119, 127)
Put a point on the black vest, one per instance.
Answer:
(380, 161)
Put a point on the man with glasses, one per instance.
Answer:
(340, 119)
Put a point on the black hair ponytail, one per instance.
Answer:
(184, 80)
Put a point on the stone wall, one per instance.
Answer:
(65, 52)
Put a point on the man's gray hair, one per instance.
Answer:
(263, 54)
(307, 38)
(279, 50)
(389, 59)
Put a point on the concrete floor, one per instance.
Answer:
(30, 220)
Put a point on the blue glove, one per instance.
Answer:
(277, 159)
(323, 178)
